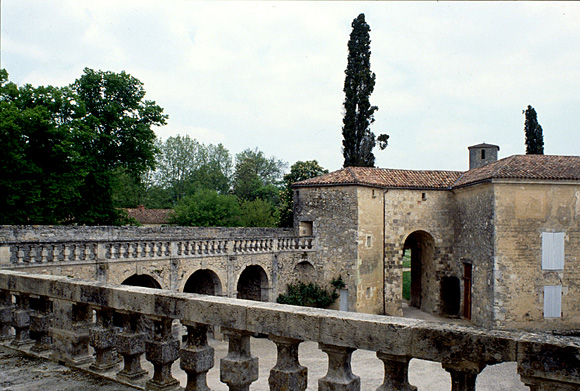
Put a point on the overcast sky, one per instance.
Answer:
(270, 74)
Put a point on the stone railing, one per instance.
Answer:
(21, 254)
(68, 316)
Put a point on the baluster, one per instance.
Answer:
(53, 254)
(19, 254)
(138, 249)
(396, 373)
(65, 252)
(167, 249)
(70, 332)
(76, 252)
(21, 320)
(196, 358)
(110, 254)
(5, 314)
(239, 368)
(40, 321)
(43, 253)
(463, 375)
(288, 374)
(103, 338)
(131, 345)
(162, 350)
(339, 376)
(32, 253)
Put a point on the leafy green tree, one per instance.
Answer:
(299, 171)
(257, 176)
(186, 165)
(61, 147)
(207, 208)
(534, 133)
(257, 213)
(115, 131)
(358, 141)
(307, 295)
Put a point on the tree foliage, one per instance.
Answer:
(358, 140)
(61, 147)
(534, 133)
(299, 171)
(207, 208)
(308, 295)
(257, 176)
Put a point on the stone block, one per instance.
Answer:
(197, 360)
(290, 321)
(101, 338)
(21, 318)
(162, 352)
(239, 372)
(130, 343)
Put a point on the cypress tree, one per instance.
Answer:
(534, 133)
(358, 141)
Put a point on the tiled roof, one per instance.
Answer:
(385, 178)
(525, 167)
(149, 216)
(513, 167)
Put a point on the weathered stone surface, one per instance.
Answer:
(339, 376)
(287, 374)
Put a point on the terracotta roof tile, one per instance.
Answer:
(149, 216)
(525, 167)
(385, 178)
(513, 167)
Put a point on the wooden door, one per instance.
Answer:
(467, 290)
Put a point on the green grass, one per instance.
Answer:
(407, 285)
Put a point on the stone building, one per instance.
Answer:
(498, 244)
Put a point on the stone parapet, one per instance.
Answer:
(544, 361)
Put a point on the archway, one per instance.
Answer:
(253, 284)
(143, 280)
(450, 296)
(205, 282)
(421, 245)
(304, 272)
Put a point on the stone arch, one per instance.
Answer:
(144, 280)
(304, 272)
(253, 284)
(204, 281)
(422, 247)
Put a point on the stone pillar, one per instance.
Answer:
(70, 332)
(538, 384)
(5, 314)
(196, 357)
(40, 321)
(21, 320)
(131, 345)
(463, 375)
(239, 368)
(339, 376)
(162, 350)
(288, 374)
(103, 338)
(396, 373)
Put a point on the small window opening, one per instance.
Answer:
(483, 153)
(369, 241)
(305, 228)
(424, 196)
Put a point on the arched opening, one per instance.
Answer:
(450, 296)
(143, 280)
(421, 245)
(304, 272)
(253, 284)
(205, 282)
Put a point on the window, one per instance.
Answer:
(369, 241)
(305, 228)
(552, 250)
(483, 154)
(552, 301)
(424, 196)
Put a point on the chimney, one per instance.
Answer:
(482, 154)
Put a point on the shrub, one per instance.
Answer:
(307, 295)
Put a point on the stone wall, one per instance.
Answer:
(334, 214)
(474, 245)
(370, 277)
(429, 213)
(524, 211)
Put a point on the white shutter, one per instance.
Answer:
(553, 250)
(552, 301)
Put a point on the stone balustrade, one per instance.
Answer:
(75, 314)
(22, 254)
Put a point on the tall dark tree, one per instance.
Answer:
(358, 141)
(534, 133)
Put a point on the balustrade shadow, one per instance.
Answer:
(34, 307)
